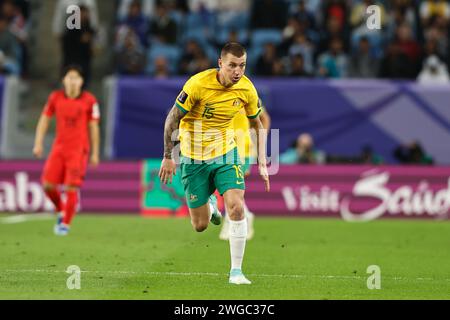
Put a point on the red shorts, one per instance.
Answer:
(67, 168)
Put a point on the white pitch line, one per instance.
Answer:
(26, 218)
(189, 274)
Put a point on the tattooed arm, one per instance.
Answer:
(168, 165)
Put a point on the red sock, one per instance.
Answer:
(71, 206)
(55, 196)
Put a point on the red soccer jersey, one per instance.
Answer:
(72, 119)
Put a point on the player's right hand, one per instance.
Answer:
(264, 175)
(38, 151)
(167, 171)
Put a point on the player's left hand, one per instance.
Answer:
(95, 160)
(264, 175)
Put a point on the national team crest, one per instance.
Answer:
(237, 103)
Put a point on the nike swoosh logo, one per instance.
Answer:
(240, 182)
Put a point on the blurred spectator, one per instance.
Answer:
(431, 49)
(77, 45)
(60, 17)
(412, 153)
(278, 68)
(163, 27)
(336, 10)
(268, 14)
(194, 59)
(410, 47)
(363, 64)
(18, 26)
(9, 50)
(430, 9)
(438, 32)
(303, 151)
(265, 63)
(131, 56)
(297, 68)
(395, 64)
(302, 14)
(137, 21)
(203, 5)
(333, 30)
(333, 63)
(23, 6)
(16, 20)
(148, 8)
(301, 46)
(433, 72)
(368, 156)
(161, 68)
(290, 31)
(402, 11)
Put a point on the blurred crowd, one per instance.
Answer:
(14, 16)
(304, 151)
(297, 38)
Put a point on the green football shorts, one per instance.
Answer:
(201, 178)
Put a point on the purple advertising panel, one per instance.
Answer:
(112, 187)
(353, 193)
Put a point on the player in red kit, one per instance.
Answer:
(77, 132)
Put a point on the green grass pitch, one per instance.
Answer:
(124, 257)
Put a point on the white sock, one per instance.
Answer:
(211, 209)
(238, 235)
(247, 212)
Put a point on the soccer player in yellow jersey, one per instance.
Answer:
(245, 142)
(204, 113)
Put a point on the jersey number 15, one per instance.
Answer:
(208, 113)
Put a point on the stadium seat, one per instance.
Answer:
(199, 21)
(197, 35)
(212, 53)
(233, 21)
(222, 36)
(260, 37)
(253, 55)
(171, 53)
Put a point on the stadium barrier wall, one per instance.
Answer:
(110, 188)
(352, 193)
(342, 115)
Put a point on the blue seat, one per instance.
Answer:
(212, 53)
(230, 21)
(171, 53)
(197, 20)
(259, 37)
(197, 35)
(253, 55)
(223, 34)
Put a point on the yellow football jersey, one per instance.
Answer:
(242, 135)
(207, 130)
